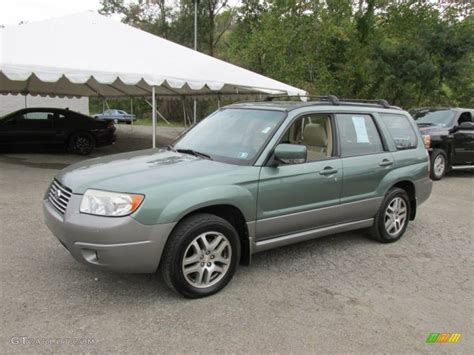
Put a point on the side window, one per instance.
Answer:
(358, 135)
(401, 131)
(315, 132)
(465, 117)
(38, 116)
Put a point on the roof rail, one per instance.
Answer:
(331, 98)
(381, 102)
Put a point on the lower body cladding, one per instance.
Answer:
(118, 244)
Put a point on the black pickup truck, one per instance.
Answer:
(448, 134)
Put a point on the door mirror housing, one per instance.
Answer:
(466, 126)
(290, 153)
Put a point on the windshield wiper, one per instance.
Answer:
(194, 152)
(170, 147)
(425, 124)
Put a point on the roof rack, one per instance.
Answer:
(331, 98)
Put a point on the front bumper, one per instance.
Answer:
(118, 244)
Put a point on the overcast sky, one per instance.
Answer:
(14, 11)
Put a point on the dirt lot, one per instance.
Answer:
(342, 293)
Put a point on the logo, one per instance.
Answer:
(58, 194)
(443, 338)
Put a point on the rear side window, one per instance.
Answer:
(358, 135)
(401, 130)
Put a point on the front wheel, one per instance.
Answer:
(392, 218)
(201, 256)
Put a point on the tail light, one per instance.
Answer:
(427, 141)
(110, 124)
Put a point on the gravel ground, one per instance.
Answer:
(342, 293)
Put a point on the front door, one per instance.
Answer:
(35, 127)
(299, 196)
(464, 142)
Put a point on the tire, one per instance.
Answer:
(439, 164)
(82, 143)
(209, 270)
(391, 221)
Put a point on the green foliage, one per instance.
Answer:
(412, 53)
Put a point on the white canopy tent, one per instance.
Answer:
(87, 54)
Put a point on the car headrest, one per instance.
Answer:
(315, 134)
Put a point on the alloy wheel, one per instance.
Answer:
(395, 216)
(82, 144)
(207, 259)
(439, 165)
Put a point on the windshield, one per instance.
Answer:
(442, 118)
(232, 135)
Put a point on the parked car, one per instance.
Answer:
(448, 134)
(248, 178)
(52, 127)
(116, 116)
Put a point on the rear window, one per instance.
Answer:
(358, 135)
(401, 131)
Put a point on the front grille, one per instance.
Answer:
(59, 196)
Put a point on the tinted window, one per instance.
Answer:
(465, 117)
(401, 131)
(315, 132)
(358, 135)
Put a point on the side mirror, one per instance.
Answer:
(290, 153)
(466, 126)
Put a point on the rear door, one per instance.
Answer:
(365, 162)
(464, 142)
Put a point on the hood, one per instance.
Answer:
(136, 171)
(435, 130)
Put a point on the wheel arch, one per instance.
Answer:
(409, 187)
(236, 218)
(72, 133)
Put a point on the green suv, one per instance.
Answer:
(248, 178)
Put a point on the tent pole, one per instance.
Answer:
(131, 110)
(184, 113)
(26, 101)
(195, 45)
(153, 115)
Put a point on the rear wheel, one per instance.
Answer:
(392, 218)
(82, 143)
(201, 256)
(439, 164)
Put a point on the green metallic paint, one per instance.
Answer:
(176, 184)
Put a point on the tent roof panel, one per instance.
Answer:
(87, 54)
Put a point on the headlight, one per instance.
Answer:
(105, 203)
(427, 141)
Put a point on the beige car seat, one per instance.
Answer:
(316, 140)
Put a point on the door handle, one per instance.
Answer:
(386, 162)
(328, 170)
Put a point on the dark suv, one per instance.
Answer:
(448, 134)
